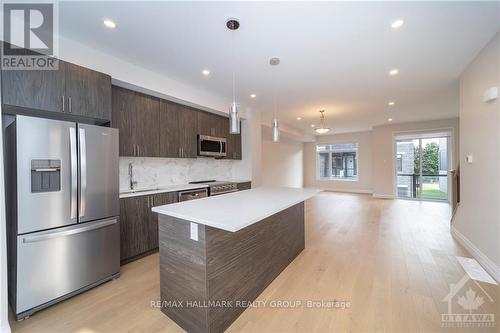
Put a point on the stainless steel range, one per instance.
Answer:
(62, 210)
(218, 187)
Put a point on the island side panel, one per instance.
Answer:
(183, 273)
(240, 265)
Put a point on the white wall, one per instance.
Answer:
(477, 221)
(282, 162)
(250, 165)
(383, 151)
(364, 182)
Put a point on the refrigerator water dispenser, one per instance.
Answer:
(45, 176)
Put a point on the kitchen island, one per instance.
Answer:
(217, 254)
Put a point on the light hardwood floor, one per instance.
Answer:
(393, 260)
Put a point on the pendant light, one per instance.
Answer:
(275, 124)
(234, 118)
(322, 129)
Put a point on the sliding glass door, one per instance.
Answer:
(422, 168)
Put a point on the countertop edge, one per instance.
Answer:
(173, 188)
(226, 228)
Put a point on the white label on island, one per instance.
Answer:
(194, 231)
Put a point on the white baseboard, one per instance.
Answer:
(346, 190)
(383, 196)
(486, 262)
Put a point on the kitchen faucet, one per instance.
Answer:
(131, 176)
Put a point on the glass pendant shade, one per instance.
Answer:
(276, 130)
(322, 129)
(234, 119)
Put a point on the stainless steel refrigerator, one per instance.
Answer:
(62, 210)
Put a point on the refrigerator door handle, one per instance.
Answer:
(74, 172)
(40, 238)
(83, 171)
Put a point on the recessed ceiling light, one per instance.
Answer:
(393, 71)
(397, 24)
(299, 118)
(391, 103)
(253, 95)
(312, 125)
(389, 120)
(205, 72)
(109, 23)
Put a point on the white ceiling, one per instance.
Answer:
(334, 55)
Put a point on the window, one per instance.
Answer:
(443, 160)
(399, 163)
(337, 161)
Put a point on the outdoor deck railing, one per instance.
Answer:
(416, 183)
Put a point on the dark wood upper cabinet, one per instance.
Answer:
(41, 90)
(170, 131)
(188, 124)
(237, 154)
(221, 126)
(71, 89)
(124, 117)
(88, 92)
(153, 127)
(234, 147)
(178, 130)
(137, 116)
(147, 134)
(207, 123)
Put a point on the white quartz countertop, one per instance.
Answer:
(170, 188)
(235, 211)
(160, 189)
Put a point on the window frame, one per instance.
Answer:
(330, 162)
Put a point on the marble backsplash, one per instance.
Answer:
(152, 172)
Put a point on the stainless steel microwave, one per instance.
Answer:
(211, 146)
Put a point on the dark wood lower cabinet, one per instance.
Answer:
(244, 186)
(133, 227)
(139, 225)
(158, 200)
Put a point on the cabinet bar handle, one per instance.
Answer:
(63, 108)
(69, 106)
